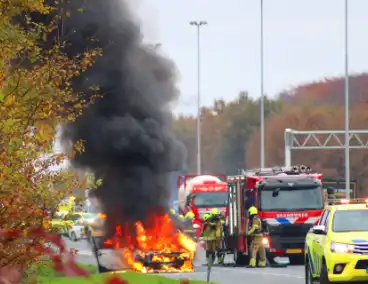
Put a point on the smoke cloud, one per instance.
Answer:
(129, 141)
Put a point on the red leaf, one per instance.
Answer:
(57, 263)
(116, 280)
(37, 232)
(10, 274)
(11, 234)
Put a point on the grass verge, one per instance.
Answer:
(130, 277)
(47, 275)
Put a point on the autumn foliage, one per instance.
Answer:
(230, 130)
(35, 97)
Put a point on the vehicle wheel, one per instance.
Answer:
(323, 279)
(308, 274)
(240, 259)
(73, 237)
(297, 259)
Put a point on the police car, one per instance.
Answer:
(336, 249)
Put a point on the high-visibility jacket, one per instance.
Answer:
(212, 231)
(256, 229)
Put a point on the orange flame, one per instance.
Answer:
(159, 248)
(101, 216)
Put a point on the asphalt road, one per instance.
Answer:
(221, 275)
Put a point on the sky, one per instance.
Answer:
(303, 42)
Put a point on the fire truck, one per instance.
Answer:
(290, 201)
(200, 194)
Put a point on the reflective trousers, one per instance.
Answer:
(257, 248)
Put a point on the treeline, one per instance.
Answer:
(230, 130)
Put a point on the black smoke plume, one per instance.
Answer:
(127, 135)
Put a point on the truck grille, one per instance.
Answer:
(361, 248)
(292, 245)
(361, 264)
(294, 230)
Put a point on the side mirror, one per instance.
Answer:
(189, 197)
(275, 192)
(319, 230)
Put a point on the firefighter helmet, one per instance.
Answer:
(214, 212)
(253, 211)
(190, 215)
(206, 217)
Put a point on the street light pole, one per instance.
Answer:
(198, 25)
(347, 96)
(262, 118)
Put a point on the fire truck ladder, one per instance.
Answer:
(322, 140)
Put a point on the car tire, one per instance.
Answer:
(296, 259)
(308, 274)
(323, 279)
(73, 237)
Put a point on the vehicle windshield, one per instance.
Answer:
(350, 221)
(210, 199)
(291, 199)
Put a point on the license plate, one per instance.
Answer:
(294, 251)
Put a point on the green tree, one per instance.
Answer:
(35, 97)
(242, 116)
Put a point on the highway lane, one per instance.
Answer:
(221, 275)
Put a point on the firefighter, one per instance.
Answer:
(217, 229)
(220, 220)
(172, 212)
(189, 216)
(256, 233)
(188, 223)
(205, 222)
(209, 237)
(181, 217)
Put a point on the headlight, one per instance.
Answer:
(341, 248)
(196, 226)
(265, 242)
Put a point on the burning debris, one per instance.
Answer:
(128, 137)
(160, 248)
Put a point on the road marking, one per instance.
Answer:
(258, 271)
(85, 252)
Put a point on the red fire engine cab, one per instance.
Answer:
(200, 194)
(290, 201)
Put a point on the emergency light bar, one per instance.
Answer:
(278, 170)
(348, 201)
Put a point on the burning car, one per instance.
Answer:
(157, 248)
